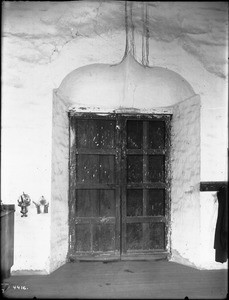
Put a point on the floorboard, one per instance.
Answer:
(121, 280)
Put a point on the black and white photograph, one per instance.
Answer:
(114, 149)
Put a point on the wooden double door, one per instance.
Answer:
(119, 186)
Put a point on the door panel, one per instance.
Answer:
(87, 170)
(87, 203)
(145, 236)
(156, 167)
(83, 237)
(157, 235)
(134, 202)
(107, 134)
(106, 169)
(134, 168)
(134, 134)
(118, 186)
(87, 134)
(143, 201)
(95, 220)
(155, 205)
(156, 135)
(134, 236)
(107, 203)
(104, 237)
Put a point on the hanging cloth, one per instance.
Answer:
(221, 231)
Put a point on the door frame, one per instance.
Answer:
(120, 135)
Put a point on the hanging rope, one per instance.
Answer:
(145, 35)
(130, 43)
(132, 29)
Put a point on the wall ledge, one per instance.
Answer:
(29, 272)
(211, 186)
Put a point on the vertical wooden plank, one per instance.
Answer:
(106, 169)
(103, 237)
(98, 202)
(87, 134)
(156, 135)
(157, 236)
(107, 134)
(146, 238)
(123, 182)
(134, 134)
(156, 168)
(72, 184)
(156, 202)
(145, 226)
(134, 168)
(107, 242)
(134, 202)
(107, 207)
(96, 233)
(168, 183)
(88, 169)
(87, 203)
(118, 180)
(145, 163)
(134, 236)
(83, 237)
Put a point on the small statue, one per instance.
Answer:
(2, 206)
(24, 201)
(42, 206)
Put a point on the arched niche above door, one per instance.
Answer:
(127, 84)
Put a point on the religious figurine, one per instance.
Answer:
(24, 201)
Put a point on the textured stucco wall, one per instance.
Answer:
(185, 178)
(60, 175)
(42, 42)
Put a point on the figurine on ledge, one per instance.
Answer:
(42, 206)
(24, 201)
(2, 206)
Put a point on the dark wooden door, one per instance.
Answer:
(145, 188)
(94, 188)
(118, 186)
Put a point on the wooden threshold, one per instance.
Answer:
(160, 255)
(145, 256)
(75, 258)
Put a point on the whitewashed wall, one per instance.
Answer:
(185, 179)
(44, 41)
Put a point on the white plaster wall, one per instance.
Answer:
(26, 167)
(60, 182)
(193, 213)
(44, 41)
(208, 218)
(123, 84)
(185, 178)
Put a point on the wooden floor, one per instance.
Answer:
(121, 279)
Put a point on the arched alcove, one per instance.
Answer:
(128, 84)
(131, 87)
